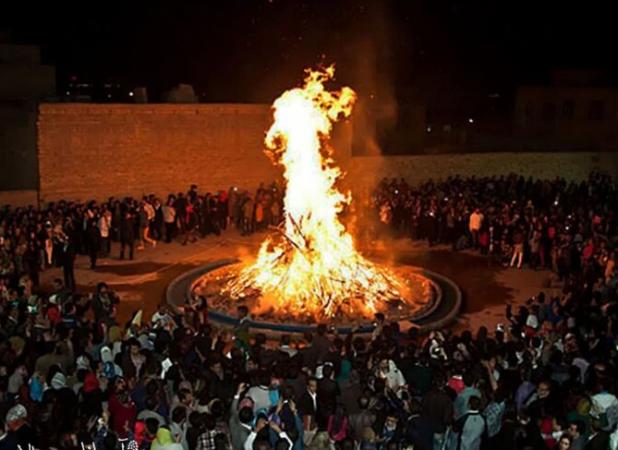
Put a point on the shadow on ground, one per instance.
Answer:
(473, 273)
(147, 294)
(131, 268)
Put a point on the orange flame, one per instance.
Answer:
(312, 269)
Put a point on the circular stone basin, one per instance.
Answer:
(435, 310)
(421, 295)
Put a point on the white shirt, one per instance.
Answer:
(104, 224)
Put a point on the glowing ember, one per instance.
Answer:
(311, 267)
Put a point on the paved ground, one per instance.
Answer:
(141, 283)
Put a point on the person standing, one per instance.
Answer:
(247, 214)
(93, 237)
(127, 234)
(518, 248)
(474, 225)
(68, 263)
(169, 219)
(157, 223)
(144, 218)
(105, 225)
(471, 427)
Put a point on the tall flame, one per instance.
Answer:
(312, 269)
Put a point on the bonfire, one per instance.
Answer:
(310, 267)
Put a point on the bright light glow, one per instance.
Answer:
(311, 268)
(470, 120)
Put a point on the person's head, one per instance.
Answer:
(245, 415)
(384, 364)
(327, 370)
(312, 385)
(282, 444)
(363, 402)
(565, 442)
(543, 389)
(576, 429)
(179, 414)
(58, 284)
(152, 403)
(264, 378)
(368, 435)
(134, 347)
(474, 403)
(16, 417)
(185, 396)
(102, 288)
(469, 379)
(221, 442)
(152, 425)
(196, 419)
(242, 311)
(391, 421)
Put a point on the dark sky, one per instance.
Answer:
(249, 50)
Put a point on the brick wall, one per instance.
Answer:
(96, 150)
(18, 198)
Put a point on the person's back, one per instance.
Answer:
(127, 232)
(460, 404)
(260, 396)
(362, 419)
(438, 407)
(472, 427)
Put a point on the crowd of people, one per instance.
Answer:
(72, 376)
(548, 224)
(32, 240)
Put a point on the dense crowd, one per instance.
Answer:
(32, 240)
(73, 377)
(544, 223)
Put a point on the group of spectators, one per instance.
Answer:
(34, 239)
(551, 224)
(73, 377)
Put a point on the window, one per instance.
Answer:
(568, 109)
(549, 111)
(597, 110)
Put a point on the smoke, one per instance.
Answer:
(367, 63)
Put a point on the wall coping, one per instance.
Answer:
(151, 108)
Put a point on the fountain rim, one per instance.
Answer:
(181, 288)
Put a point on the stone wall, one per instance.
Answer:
(98, 150)
(572, 166)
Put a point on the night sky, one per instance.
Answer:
(249, 50)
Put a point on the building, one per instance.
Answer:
(25, 81)
(577, 111)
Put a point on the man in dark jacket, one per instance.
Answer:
(127, 234)
(437, 406)
(328, 393)
(93, 242)
(308, 404)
